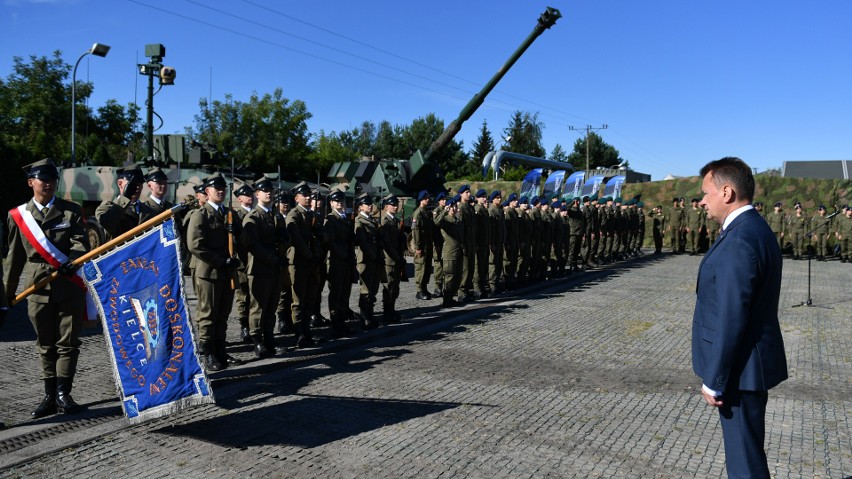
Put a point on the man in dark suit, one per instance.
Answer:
(737, 348)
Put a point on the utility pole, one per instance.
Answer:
(588, 129)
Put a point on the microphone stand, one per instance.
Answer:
(809, 235)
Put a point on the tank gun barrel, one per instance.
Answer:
(545, 21)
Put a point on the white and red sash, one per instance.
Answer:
(32, 231)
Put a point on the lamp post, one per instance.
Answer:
(99, 50)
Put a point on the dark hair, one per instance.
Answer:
(733, 171)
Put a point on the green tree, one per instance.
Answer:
(263, 133)
(425, 130)
(483, 144)
(558, 154)
(332, 148)
(524, 133)
(600, 153)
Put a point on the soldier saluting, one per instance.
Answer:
(126, 211)
(56, 311)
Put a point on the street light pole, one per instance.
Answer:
(99, 50)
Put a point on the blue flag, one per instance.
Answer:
(139, 294)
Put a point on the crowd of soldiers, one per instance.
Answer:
(274, 253)
(690, 231)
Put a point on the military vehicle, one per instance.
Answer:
(405, 178)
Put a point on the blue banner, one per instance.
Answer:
(553, 184)
(613, 186)
(573, 186)
(138, 290)
(592, 185)
(529, 187)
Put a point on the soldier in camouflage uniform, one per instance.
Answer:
(776, 220)
(438, 243)
(843, 233)
(822, 229)
(693, 226)
(675, 220)
(797, 226)
(422, 226)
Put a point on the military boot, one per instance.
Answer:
(260, 349)
(64, 402)
(48, 404)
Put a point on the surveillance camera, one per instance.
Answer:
(167, 75)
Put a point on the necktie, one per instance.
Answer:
(44, 212)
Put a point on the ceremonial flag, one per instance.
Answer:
(138, 289)
(529, 187)
(553, 184)
(573, 185)
(592, 185)
(613, 186)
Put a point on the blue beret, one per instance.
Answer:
(524, 200)
(481, 193)
(821, 208)
(422, 195)
(534, 200)
(495, 194)
(464, 188)
(586, 198)
(441, 196)
(456, 198)
(512, 197)
(505, 203)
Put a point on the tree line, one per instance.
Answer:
(264, 132)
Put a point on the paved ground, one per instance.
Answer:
(588, 376)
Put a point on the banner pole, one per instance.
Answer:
(102, 249)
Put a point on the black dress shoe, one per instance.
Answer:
(65, 404)
(437, 293)
(419, 295)
(46, 408)
(305, 342)
(261, 352)
(212, 363)
(232, 361)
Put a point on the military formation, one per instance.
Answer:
(272, 254)
(822, 234)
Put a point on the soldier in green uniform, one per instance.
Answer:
(557, 238)
(321, 254)
(511, 251)
(607, 217)
(285, 300)
(260, 240)
(438, 243)
(302, 263)
(422, 226)
(693, 226)
(56, 310)
(453, 232)
(468, 246)
(658, 223)
(126, 211)
(589, 232)
(368, 254)
(534, 273)
(480, 211)
(822, 229)
(339, 238)
(797, 226)
(244, 192)
(640, 240)
(496, 241)
(158, 185)
(675, 225)
(525, 235)
(712, 228)
(776, 220)
(209, 231)
(189, 259)
(393, 242)
(843, 233)
(576, 232)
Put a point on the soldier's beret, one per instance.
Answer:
(242, 188)
(594, 197)
(821, 208)
(759, 203)
(602, 201)
(451, 201)
(301, 189)
(534, 200)
(523, 200)
(512, 197)
(441, 196)
(682, 198)
(586, 198)
(464, 188)
(798, 206)
(675, 199)
(132, 173)
(481, 193)
(563, 207)
(505, 203)
(494, 194)
(577, 199)
(216, 180)
(199, 189)
(337, 195)
(640, 204)
(263, 184)
(618, 199)
(390, 199)
(846, 207)
(695, 200)
(157, 176)
(608, 198)
(777, 204)
(456, 198)
(422, 196)
(363, 199)
(43, 170)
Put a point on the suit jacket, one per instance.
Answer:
(736, 338)
(63, 226)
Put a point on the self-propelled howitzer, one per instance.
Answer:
(405, 178)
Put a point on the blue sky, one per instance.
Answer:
(678, 83)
